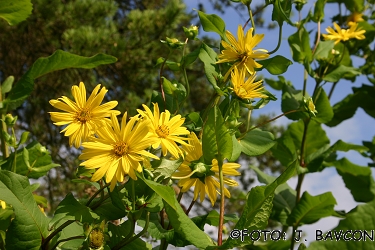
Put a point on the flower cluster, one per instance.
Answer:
(117, 150)
(242, 55)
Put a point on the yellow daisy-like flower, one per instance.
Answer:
(118, 151)
(355, 17)
(246, 89)
(242, 52)
(204, 179)
(83, 117)
(344, 34)
(3, 205)
(168, 130)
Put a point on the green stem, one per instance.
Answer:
(303, 144)
(4, 147)
(317, 39)
(96, 193)
(298, 195)
(305, 74)
(222, 202)
(127, 240)
(251, 18)
(331, 91)
(190, 207)
(54, 233)
(266, 122)
(279, 41)
(161, 79)
(67, 239)
(187, 86)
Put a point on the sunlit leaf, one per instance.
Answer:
(30, 225)
(44, 65)
(15, 11)
(276, 65)
(212, 23)
(360, 220)
(256, 142)
(310, 209)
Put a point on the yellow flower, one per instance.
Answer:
(355, 17)
(83, 117)
(168, 130)
(241, 52)
(246, 89)
(204, 179)
(118, 151)
(344, 34)
(3, 205)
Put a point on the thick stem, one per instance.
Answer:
(67, 239)
(127, 241)
(54, 233)
(317, 39)
(4, 147)
(96, 193)
(222, 202)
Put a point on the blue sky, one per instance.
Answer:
(354, 130)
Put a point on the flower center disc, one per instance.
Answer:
(120, 148)
(83, 115)
(162, 131)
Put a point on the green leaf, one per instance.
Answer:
(15, 11)
(299, 43)
(316, 159)
(216, 140)
(324, 50)
(118, 233)
(212, 23)
(237, 148)
(319, 10)
(281, 11)
(310, 209)
(190, 58)
(208, 56)
(284, 199)
(165, 168)
(30, 225)
(33, 161)
(257, 142)
(355, 5)
(340, 72)
(44, 65)
(258, 207)
(277, 85)
(6, 86)
(363, 97)
(323, 106)
(166, 192)
(359, 219)
(316, 137)
(276, 65)
(285, 150)
(185, 227)
(155, 229)
(357, 179)
(70, 209)
(72, 230)
(292, 99)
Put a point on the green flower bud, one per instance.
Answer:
(191, 32)
(10, 120)
(173, 43)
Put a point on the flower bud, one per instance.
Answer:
(10, 120)
(310, 106)
(173, 43)
(191, 32)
